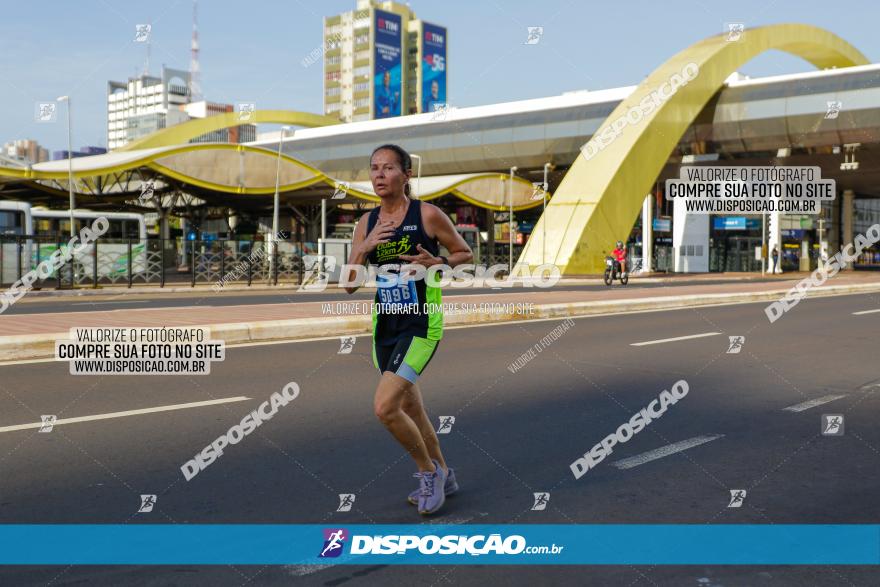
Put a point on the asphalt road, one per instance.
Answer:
(207, 298)
(514, 434)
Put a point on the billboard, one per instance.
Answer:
(387, 70)
(433, 67)
(661, 224)
(729, 223)
(736, 223)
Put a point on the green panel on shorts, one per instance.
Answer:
(419, 353)
(434, 297)
(375, 360)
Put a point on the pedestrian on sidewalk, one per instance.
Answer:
(775, 255)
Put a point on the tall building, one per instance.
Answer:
(145, 104)
(381, 61)
(26, 151)
(84, 152)
(236, 134)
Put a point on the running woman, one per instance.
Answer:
(407, 320)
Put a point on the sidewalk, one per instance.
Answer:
(33, 335)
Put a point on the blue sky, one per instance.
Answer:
(251, 51)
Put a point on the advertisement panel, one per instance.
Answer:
(433, 67)
(729, 223)
(661, 224)
(387, 72)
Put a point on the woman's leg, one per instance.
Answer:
(414, 407)
(387, 405)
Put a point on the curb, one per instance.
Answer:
(42, 346)
(287, 287)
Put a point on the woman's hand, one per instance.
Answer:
(382, 233)
(424, 258)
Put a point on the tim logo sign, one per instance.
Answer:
(389, 26)
(334, 540)
(433, 38)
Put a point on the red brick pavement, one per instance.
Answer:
(12, 325)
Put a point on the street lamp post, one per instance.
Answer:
(547, 167)
(276, 205)
(71, 202)
(510, 221)
(418, 173)
(69, 164)
(763, 238)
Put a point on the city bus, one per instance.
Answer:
(47, 228)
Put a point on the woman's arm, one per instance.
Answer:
(439, 224)
(357, 256)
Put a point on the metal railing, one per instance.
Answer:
(158, 262)
(178, 262)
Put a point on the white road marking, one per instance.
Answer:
(303, 570)
(812, 403)
(664, 451)
(865, 312)
(870, 386)
(169, 308)
(677, 338)
(169, 408)
(27, 362)
(121, 302)
(447, 521)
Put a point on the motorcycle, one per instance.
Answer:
(612, 271)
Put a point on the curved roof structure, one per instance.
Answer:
(243, 169)
(599, 198)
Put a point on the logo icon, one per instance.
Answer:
(735, 31)
(440, 111)
(346, 344)
(339, 190)
(147, 189)
(446, 423)
(410, 227)
(147, 503)
(142, 32)
(832, 424)
(534, 35)
(833, 108)
(334, 540)
(737, 496)
(46, 112)
(246, 110)
(346, 500)
(539, 190)
(541, 500)
(48, 422)
(736, 344)
(317, 273)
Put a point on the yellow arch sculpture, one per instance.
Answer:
(181, 133)
(599, 198)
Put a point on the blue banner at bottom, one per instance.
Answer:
(352, 544)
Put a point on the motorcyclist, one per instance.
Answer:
(619, 254)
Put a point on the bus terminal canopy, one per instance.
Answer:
(231, 174)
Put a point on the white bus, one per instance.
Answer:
(49, 227)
